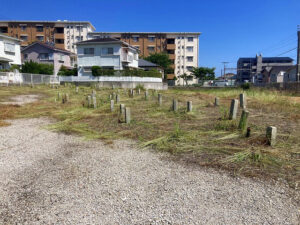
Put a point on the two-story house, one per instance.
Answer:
(108, 53)
(44, 53)
(10, 53)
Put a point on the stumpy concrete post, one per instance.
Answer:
(146, 95)
(175, 105)
(111, 105)
(76, 89)
(244, 120)
(217, 101)
(243, 101)
(127, 115)
(233, 109)
(117, 98)
(271, 134)
(160, 99)
(89, 98)
(122, 109)
(189, 106)
(139, 91)
(94, 102)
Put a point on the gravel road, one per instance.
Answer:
(50, 178)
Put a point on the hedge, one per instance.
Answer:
(98, 71)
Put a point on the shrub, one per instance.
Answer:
(37, 68)
(67, 72)
(245, 86)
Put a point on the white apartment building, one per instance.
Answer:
(10, 53)
(182, 48)
(75, 31)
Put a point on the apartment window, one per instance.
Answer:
(107, 51)
(151, 48)
(59, 41)
(190, 48)
(79, 38)
(189, 68)
(9, 47)
(39, 28)
(182, 47)
(23, 27)
(190, 58)
(151, 38)
(44, 56)
(24, 37)
(61, 58)
(3, 29)
(190, 39)
(171, 41)
(59, 30)
(88, 51)
(40, 38)
(171, 51)
(79, 28)
(135, 39)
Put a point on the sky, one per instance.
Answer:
(229, 28)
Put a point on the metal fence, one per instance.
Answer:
(7, 78)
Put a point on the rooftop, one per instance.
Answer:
(47, 46)
(8, 37)
(145, 63)
(196, 33)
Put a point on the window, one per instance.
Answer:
(171, 41)
(25, 56)
(87, 69)
(79, 38)
(23, 27)
(44, 56)
(151, 38)
(3, 29)
(151, 48)
(190, 48)
(59, 41)
(88, 51)
(61, 58)
(135, 39)
(189, 68)
(136, 56)
(130, 58)
(190, 39)
(40, 38)
(39, 28)
(190, 58)
(59, 30)
(9, 47)
(79, 28)
(171, 51)
(24, 37)
(107, 51)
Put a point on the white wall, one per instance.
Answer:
(14, 56)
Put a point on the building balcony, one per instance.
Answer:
(59, 36)
(170, 76)
(171, 47)
(171, 56)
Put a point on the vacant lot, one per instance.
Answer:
(204, 136)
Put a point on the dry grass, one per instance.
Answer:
(204, 136)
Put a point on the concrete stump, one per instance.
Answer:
(244, 120)
(127, 115)
(139, 91)
(217, 101)
(175, 105)
(146, 95)
(112, 105)
(89, 99)
(76, 89)
(233, 109)
(271, 134)
(95, 102)
(160, 99)
(122, 109)
(67, 97)
(114, 95)
(93, 93)
(117, 98)
(243, 101)
(58, 96)
(189, 106)
(110, 97)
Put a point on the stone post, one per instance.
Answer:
(76, 89)
(243, 101)
(111, 105)
(93, 93)
(117, 98)
(217, 101)
(175, 105)
(58, 96)
(271, 134)
(89, 98)
(94, 102)
(127, 115)
(146, 95)
(110, 97)
(244, 120)
(233, 109)
(122, 109)
(114, 95)
(139, 91)
(67, 97)
(160, 99)
(189, 106)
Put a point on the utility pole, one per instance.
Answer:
(224, 71)
(298, 56)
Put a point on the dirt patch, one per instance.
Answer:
(21, 100)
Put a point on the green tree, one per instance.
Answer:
(37, 68)
(204, 73)
(64, 71)
(186, 77)
(161, 59)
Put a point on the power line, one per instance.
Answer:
(287, 51)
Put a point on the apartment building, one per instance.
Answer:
(62, 34)
(182, 48)
(251, 69)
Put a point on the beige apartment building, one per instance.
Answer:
(62, 34)
(182, 48)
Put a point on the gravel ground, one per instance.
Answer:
(50, 178)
